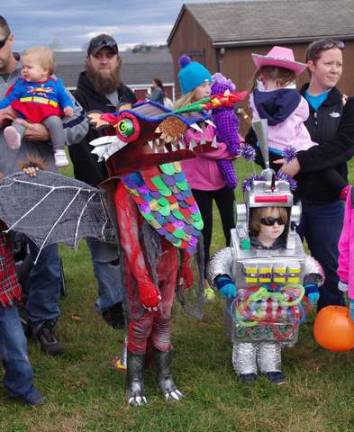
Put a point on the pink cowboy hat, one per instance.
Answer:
(281, 57)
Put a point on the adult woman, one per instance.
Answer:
(331, 125)
(157, 91)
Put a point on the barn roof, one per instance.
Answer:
(268, 21)
(138, 68)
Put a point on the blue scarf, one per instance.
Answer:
(276, 105)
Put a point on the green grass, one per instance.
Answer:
(83, 393)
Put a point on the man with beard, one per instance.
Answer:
(99, 88)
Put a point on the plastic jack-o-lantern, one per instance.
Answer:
(333, 329)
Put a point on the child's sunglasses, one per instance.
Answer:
(3, 42)
(270, 221)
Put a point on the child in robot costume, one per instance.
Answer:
(274, 97)
(264, 299)
(38, 97)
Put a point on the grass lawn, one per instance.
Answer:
(84, 393)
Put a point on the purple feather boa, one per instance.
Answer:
(227, 125)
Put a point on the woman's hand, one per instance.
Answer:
(290, 168)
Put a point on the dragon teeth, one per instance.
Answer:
(182, 146)
(196, 127)
(192, 144)
(214, 143)
(210, 123)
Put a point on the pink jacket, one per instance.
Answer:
(346, 246)
(202, 172)
(291, 132)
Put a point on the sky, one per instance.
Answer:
(69, 24)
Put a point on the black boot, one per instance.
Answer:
(166, 383)
(134, 387)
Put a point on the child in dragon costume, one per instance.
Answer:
(159, 224)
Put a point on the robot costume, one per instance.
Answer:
(270, 282)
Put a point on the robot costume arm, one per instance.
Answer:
(219, 273)
(313, 279)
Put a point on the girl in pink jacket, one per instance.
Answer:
(275, 98)
(203, 173)
(346, 252)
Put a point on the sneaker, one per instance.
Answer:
(60, 159)
(115, 316)
(34, 398)
(275, 377)
(48, 341)
(12, 137)
(248, 378)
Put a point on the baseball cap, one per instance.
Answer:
(102, 41)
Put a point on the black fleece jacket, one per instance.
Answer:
(86, 167)
(332, 127)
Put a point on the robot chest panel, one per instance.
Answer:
(268, 270)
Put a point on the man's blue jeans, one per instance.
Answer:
(321, 226)
(44, 286)
(105, 259)
(13, 351)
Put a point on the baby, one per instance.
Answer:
(39, 97)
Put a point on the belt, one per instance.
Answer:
(40, 100)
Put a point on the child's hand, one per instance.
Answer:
(311, 290)
(31, 171)
(226, 286)
(342, 286)
(68, 112)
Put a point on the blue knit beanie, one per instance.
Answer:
(192, 74)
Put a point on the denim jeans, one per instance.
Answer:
(44, 286)
(105, 260)
(321, 226)
(13, 351)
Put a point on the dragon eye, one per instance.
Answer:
(126, 127)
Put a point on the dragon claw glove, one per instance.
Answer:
(149, 296)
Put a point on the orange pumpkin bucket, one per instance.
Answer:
(333, 329)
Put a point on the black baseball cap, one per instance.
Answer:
(102, 41)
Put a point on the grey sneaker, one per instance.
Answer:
(47, 339)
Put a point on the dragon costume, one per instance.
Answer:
(159, 223)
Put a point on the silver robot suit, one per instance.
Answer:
(268, 308)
